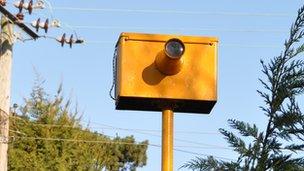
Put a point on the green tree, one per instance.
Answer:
(276, 146)
(47, 135)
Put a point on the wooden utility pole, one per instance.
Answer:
(6, 45)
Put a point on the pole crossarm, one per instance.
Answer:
(19, 23)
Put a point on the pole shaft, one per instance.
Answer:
(167, 140)
(5, 84)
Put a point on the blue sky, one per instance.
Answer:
(247, 30)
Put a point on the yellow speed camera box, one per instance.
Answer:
(156, 72)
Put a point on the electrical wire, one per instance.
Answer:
(203, 145)
(127, 129)
(184, 146)
(101, 141)
(112, 93)
(200, 154)
(111, 142)
(144, 130)
(248, 46)
(220, 45)
(233, 45)
(173, 12)
(177, 29)
(116, 142)
(139, 132)
(159, 136)
(104, 126)
(181, 140)
(84, 141)
(65, 25)
(50, 8)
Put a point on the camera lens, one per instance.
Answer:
(174, 48)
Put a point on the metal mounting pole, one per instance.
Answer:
(167, 140)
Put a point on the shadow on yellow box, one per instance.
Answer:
(156, 72)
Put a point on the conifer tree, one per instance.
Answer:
(275, 147)
(47, 135)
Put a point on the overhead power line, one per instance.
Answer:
(178, 29)
(232, 45)
(200, 154)
(111, 142)
(218, 13)
(221, 44)
(84, 141)
(109, 127)
(100, 141)
(134, 131)
(176, 139)
(248, 46)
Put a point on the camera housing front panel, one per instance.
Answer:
(142, 85)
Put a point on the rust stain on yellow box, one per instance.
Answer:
(140, 85)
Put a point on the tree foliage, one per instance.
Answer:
(47, 135)
(276, 146)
